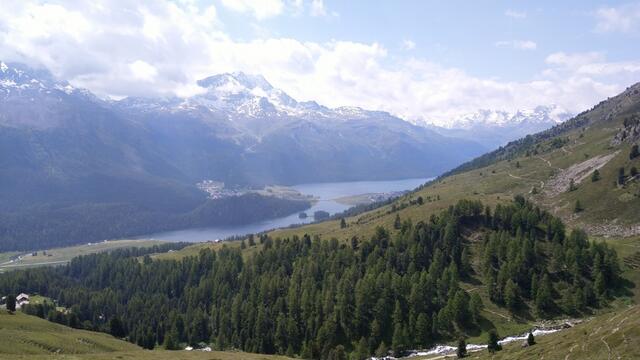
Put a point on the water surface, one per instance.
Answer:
(326, 193)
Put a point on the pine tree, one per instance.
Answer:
(461, 351)
(399, 343)
(595, 176)
(492, 343)
(116, 328)
(397, 224)
(171, 341)
(572, 185)
(621, 176)
(343, 223)
(382, 350)
(578, 207)
(11, 303)
(423, 330)
(600, 287)
(361, 350)
(543, 296)
(465, 262)
(511, 296)
(634, 152)
(530, 340)
(475, 307)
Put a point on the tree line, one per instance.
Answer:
(331, 299)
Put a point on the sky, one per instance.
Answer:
(427, 60)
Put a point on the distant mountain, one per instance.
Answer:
(67, 156)
(280, 140)
(494, 128)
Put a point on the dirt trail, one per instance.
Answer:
(496, 313)
(527, 179)
(608, 347)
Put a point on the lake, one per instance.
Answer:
(326, 193)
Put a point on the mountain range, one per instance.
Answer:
(67, 155)
(494, 128)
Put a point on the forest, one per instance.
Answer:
(49, 226)
(398, 290)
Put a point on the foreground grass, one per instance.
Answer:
(613, 335)
(63, 255)
(155, 355)
(29, 337)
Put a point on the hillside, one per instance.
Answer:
(611, 336)
(540, 167)
(465, 271)
(22, 334)
(29, 337)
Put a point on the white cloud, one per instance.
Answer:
(408, 44)
(261, 9)
(143, 71)
(515, 14)
(163, 47)
(317, 8)
(574, 60)
(517, 44)
(624, 18)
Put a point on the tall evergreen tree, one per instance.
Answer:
(11, 303)
(492, 342)
(461, 350)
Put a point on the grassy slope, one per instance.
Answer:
(62, 255)
(611, 336)
(29, 337)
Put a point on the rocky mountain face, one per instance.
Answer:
(275, 139)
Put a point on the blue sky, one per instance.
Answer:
(429, 61)
(454, 33)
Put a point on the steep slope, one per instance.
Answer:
(29, 337)
(611, 336)
(22, 334)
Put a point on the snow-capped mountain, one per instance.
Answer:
(243, 96)
(18, 79)
(544, 115)
(494, 128)
(238, 129)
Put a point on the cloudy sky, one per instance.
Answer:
(422, 60)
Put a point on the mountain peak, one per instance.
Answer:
(235, 81)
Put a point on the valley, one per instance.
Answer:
(329, 197)
(516, 208)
